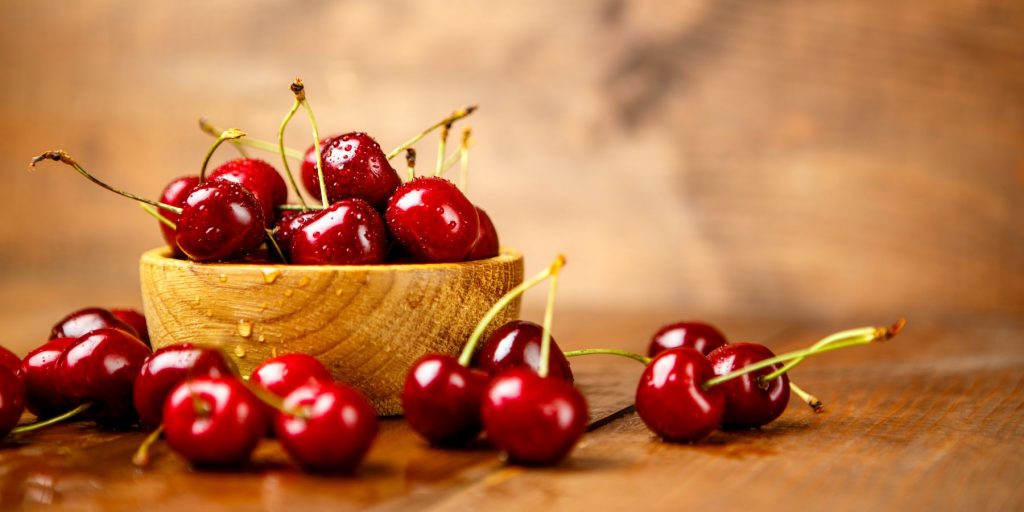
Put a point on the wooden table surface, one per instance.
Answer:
(930, 420)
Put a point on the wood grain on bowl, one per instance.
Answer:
(367, 324)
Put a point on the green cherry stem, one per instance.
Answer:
(205, 126)
(886, 332)
(454, 116)
(155, 213)
(229, 134)
(274, 401)
(52, 421)
(264, 145)
(297, 207)
(464, 160)
(64, 158)
(272, 242)
(609, 352)
(141, 458)
(410, 162)
(442, 150)
(549, 316)
(280, 140)
(300, 94)
(809, 399)
(478, 332)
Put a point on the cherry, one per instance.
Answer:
(12, 399)
(696, 335)
(260, 179)
(43, 395)
(517, 344)
(354, 166)
(671, 398)
(169, 366)
(135, 319)
(100, 368)
(535, 420)
(86, 320)
(290, 223)
(283, 374)
(329, 427)
(486, 243)
(432, 220)
(213, 421)
(349, 232)
(174, 194)
(220, 221)
(441, 400)
(750, 401)
(8, 359)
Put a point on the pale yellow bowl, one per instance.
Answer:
(367, 324)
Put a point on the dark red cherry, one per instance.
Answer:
(100, 368)
(43, 394)
(697, 335)
(432, 220)
(260, 179)
(486, 243)
(8, 359)
(166, 368)
(749, 402)
(441, 400)
(671, 399)
(331, 429)
(290, 223)
(283, 374)
(135, 319)
(213, 421)
(354, 166)
(517, 345)
(174, 194)
(349, 232)
(87, 320)
(534, 420)
(220, 221)
(12, 399)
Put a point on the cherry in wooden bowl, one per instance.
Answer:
(368, 324)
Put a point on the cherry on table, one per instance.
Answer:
(213, 421)
(43, 394)
(283, 374)
(354, 166)
(696, 335)
(220, 221)
(517, 344)
(671, 399)
(8, 359)
(100, 368)
(174, 194)
(260, 179)
(290, 223)
(135, 319)
(329, 428)
(432, 220)
(486, 244)
(349, 232)
(86, 320)
(749, 401)
(12, 399)
(169, 366)
(441, 400)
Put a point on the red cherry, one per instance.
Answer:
(354, 166)
(441, 400)
(213, 421)
(220, 221)
(697, 335)
(432, 220)
(749, 402)
(534, 420)
(283, 374)
(43, 394)
(349, 232)
(486, 243)
(166, 368)
(291, 223)
(100, 367)
(87, 320)
(12, 399)
(135, 319)
(8, 359)
(174, 194)
(671, 399)
(331, 430)
(260, 179)
(517, 345)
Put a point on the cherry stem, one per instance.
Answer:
(464, 160)
(297, 207)
(273, 243)
(549, 316)
(141, 457)
(410, 162)
(880, 334)
(229, 134)
(274, 401)
(281, 149)
(442, 150)
(158, 216)
(205, 126)
(809, 399)
(886, 332)
(454, 116)
(610, 352)
(253, 143)
(478, 332)
(300, 94)
(64, 158)
(51, 421)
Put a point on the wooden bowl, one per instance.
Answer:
(367, 324)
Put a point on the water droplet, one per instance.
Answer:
(270, 275)
(245, 328)
(240, 351)
(261, 339)
(288, 293)
(209, 313)
(223, 278)
(263, 305)
(339, 291)
(197, 300)
(304, 281)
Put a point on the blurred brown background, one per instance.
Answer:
(847, 159)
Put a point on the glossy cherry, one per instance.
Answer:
(354, 166)
(213, 421)
(220, 221)
(533, 419)
(432, 220)
(12, 399)
(671, 399)
(86, 320)
(283, 374)
(135, 319)
(100, 368)
(8, 359)
(349, 232)
(696, 335)
(174, 194)
(169, 366)
(441, 400)
(290, 223)
(43, 394)
(749, 401)
(517, 345)
(486, 243)
(330, 428)
(260, 179)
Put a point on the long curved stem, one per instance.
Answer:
(880, 332)
(251, 142)
(64, 158)
(156, 215)
(141, 457)
(316, 145)
(442, 150)
(52, 421)
(229, 134)
(809, 399)
(284, 157)
(454, 116)
(610, 352)
(549, 316)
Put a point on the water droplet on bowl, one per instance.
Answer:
(239, 351)
(289, 293)
(223, 278)
(304, 281)
(270, 275)
(245, 328)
